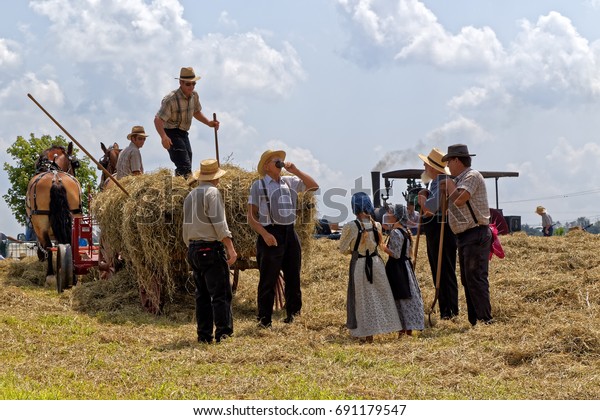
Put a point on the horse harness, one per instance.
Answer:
(56, 179)
(44, 164)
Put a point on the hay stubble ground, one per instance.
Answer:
(95, 342)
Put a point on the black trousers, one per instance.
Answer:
(448, 293)
(473, 253)
(213, 291)
(180, 151)
(286, 257)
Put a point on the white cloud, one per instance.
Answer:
(594, 4)
(576, 161)
(8, 55)
(409, 31)
(550, 61)
(226, 21)
(44, 91)
(246, 64)
(459, 130)
(549, 64)
(116, 40)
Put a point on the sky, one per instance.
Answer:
(344, 86)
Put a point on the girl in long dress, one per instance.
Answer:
(370, 305)
(407, 292)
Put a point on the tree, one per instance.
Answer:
(25, 153)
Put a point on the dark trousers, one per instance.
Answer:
(213, 292)
(180, 151)
(286, 257)
(448, 293)
(473, 254)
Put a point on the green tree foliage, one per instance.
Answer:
(25, 152)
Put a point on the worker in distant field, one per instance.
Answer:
(547, 225)
(174, 119)
(130, 159)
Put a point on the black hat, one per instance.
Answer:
(456, 150)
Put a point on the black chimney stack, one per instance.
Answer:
(376, 182)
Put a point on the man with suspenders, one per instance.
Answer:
(272, 214)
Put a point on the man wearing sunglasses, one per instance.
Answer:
(271, 214)
(174, 119)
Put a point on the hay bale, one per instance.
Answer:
(146, 227)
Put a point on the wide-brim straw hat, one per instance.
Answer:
(137, 130)
(187, 74)
(540, 210)
(209, 170)
(434, 159)
(457, 150)
(269, 154)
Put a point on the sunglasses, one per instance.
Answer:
(190, 83)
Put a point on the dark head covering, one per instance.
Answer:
(456, 150)
(361, 203)
(400, 212)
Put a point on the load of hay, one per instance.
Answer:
(145, 229)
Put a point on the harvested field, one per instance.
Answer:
(95, 342)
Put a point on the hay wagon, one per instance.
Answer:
(144, 229)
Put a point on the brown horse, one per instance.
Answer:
(53, 199)
(109, 162)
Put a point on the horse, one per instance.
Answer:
(109, 162)
(53, 198)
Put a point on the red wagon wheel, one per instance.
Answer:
(151, 297)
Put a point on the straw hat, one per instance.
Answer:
(457, 150)
(434, 159)
(269, 154)
(540, 210)
(137, 130)
(187, 75)
(209, 170)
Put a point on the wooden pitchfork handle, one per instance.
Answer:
(414, 262)
(279, 292)
(102, 168)
(438, 271)
(216, 140)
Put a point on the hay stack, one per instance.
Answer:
(146, 227)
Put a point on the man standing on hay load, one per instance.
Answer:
(469, 216)
(272, 214)
(207, 235)
(174, 119)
